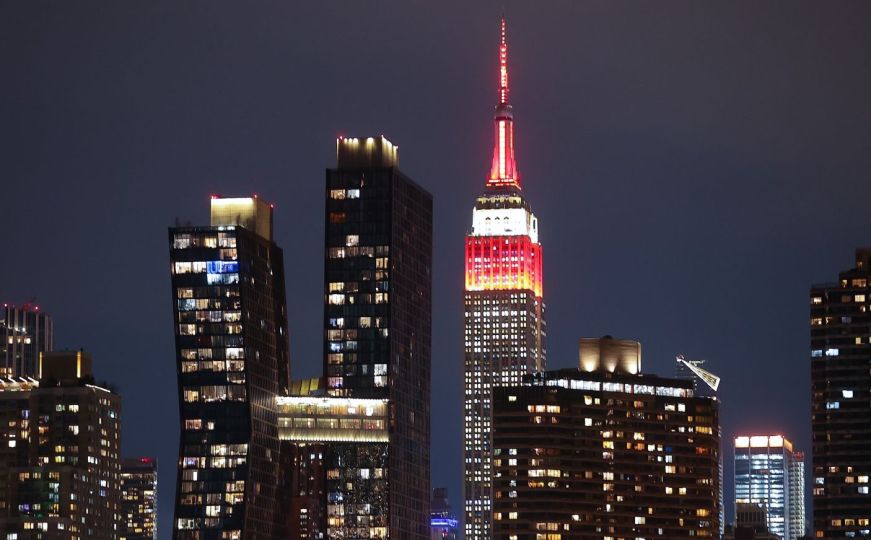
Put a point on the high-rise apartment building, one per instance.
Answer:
(138, 499)
(26, 332)
(232, 362)
(840, 399)
(377, 319)
(337, 454)
(705, 384)
(61, 463)
(769, 473)
(503, 303)
(302, 483)
(604, 452)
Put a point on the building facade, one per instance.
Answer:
(768, 473)
(594, 454)
(840, 400)
(377, 334)
(751, 523)
(63, 478)
(232, 362)
(138, 499)
(338, 455)
(504, 336)
(26, 332)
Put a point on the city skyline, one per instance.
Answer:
(739, 186)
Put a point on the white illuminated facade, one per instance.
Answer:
(769, 473)
(509, 219)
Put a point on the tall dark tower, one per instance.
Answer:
(841, 401)
(504, 308)
(378, 318)
(232, 357)
(26, 332)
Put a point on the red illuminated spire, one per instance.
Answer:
(503, 172)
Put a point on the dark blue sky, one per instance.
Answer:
(694, 166)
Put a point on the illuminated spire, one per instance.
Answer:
(503, 67)
(503, 172)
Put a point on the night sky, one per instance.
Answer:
(694, 167)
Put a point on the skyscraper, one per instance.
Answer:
(604, 451)
(61, 462)
(840, 400)
(768, 472)
(138, 499)
(503, 303)
(377, 321)
(232, 363)
(26, 331)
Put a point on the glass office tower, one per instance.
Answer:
(377, 320)
(841, 400)
(232, 359)
(769, 473)
(503, 305)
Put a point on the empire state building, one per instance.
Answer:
(504, 308)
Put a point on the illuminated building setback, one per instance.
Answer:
(337, 452)
(769, 473)
(503, 304)
(840, 400)
(232, 363)
(604, 452)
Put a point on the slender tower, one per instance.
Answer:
(232, 363)
(504, 310)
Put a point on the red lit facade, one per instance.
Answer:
(504, 334)
(500, 263)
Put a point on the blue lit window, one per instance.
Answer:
(222, 267)
(832, 352)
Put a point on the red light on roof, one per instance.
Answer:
(145, 460)
(272, 206)
(213, 196)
